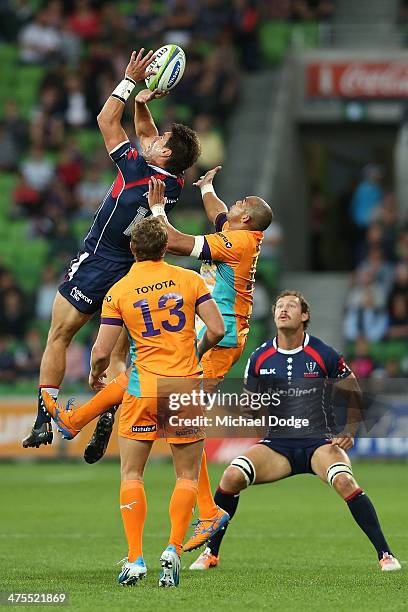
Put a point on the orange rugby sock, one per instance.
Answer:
(133, 508)
(181, 509)
(207, 507)
(111, 395)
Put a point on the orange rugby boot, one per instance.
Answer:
(60, 416)
(206, 529)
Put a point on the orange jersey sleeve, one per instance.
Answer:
(111, 313)
(201, 290)
(227, 246)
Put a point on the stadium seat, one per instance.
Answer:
(158, 109)
(7, 184)
(8, 56)
(127, 8)
(305, 35)
(183, 113)
(274, 38)
(25, 257)
(391, 349)
(88, 140)
(192, 222)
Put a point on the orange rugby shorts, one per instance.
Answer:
(139, 420)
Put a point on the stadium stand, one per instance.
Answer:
(58, 63)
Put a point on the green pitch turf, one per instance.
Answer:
(292, 546)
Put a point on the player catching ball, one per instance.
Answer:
(290, 361)
(105, 255)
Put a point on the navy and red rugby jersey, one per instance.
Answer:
(126, 203)
(303, 378)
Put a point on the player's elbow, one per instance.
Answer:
(104, 120)
(216, 330)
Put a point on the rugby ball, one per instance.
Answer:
(169, 64)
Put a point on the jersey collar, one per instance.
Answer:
(162, 171)
(306, 339)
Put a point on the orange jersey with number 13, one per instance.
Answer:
(157, 302)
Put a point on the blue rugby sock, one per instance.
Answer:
(229, 503)
(42, 416)
(366, 518)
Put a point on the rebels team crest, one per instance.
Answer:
(311, 370)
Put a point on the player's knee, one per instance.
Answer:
(340, 477)
(130, 472)
(345, 484)
(239, 475)
(232, 480)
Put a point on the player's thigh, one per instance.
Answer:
(325, 456)
(187, 459)
(269, 466)
(66, 320)
(133, 457)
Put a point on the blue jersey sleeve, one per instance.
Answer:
(336, 365)
(128, 160)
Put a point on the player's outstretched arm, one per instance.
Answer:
(101, 352)
(109, 119)
(210, 314)
(145, 126)
(212, 203)
(178, 243)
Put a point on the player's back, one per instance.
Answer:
(157, 304)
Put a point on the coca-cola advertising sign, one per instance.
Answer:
(357, 79)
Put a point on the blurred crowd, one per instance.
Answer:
(376, 309)
(74, 53)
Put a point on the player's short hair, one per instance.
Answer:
(261, 213)
(149, 239)
(304, 304)
(185, 148)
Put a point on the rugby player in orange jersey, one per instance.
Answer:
(233, 251)
(157, 303)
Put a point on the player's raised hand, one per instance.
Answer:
(138, 66)
(207, 178)
(97, 382)
(146, 95)
(344, 442)
(156, 192)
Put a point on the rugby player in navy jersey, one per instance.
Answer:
(105, 256)
(293, 360)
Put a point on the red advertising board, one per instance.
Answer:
(358, 79)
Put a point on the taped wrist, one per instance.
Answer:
(158, 211)
(124, 89)
(207, 189)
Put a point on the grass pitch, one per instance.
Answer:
(293, 545)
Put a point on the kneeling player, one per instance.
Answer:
(290, 356)
(157, 303)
